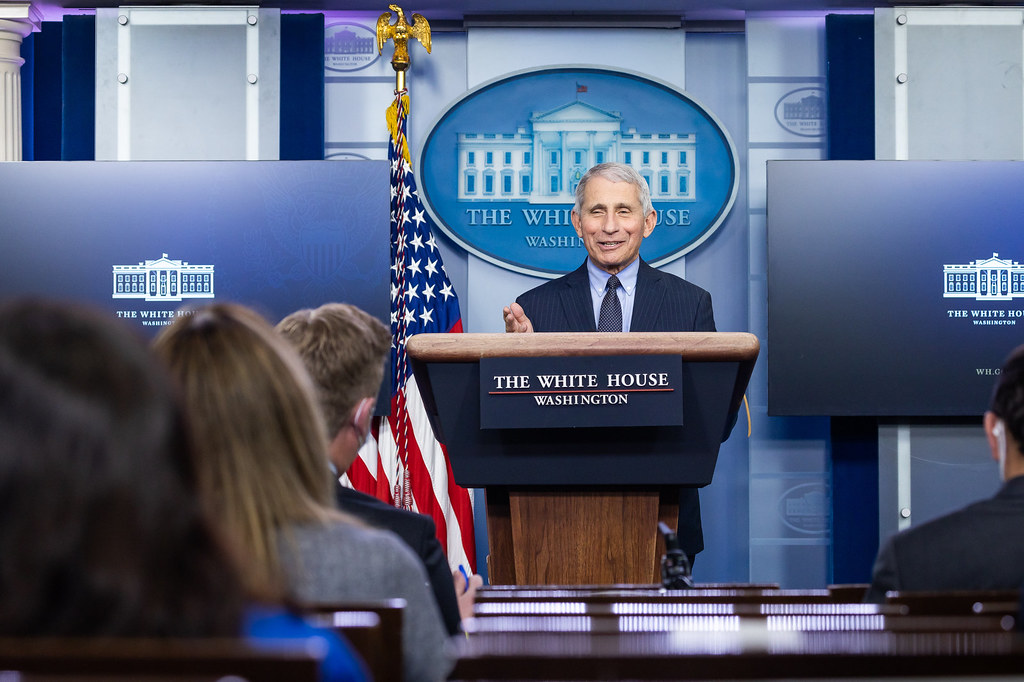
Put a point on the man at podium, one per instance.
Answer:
(615, 290)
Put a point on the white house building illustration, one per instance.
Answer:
(346, 41)
(991, 279)
(543, 163)
(811, 107)
(163, 279)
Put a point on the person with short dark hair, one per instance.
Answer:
(979, 547)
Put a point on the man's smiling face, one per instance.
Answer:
(611, 223)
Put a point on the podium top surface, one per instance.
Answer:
(692, 346)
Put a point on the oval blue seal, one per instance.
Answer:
(806, 508)
(499, 167)
(349, 47)
(802, 112)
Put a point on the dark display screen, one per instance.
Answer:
(895, 288)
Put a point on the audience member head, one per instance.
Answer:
(344, 349)
(253, 409)
(103, 532)
(1004, 421)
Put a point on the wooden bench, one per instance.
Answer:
(486, 590)
(735, 655)
(955, 601)
(848, 592)
(850, 622)
(72, 659)
(374, 628)
(723, 595)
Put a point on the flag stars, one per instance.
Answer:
(414, 266)
(428, 292)
(427, 316)
(419, 219)
(417, 241)
(432, 243)
(410, 317)
(431, 268)
(446, 291)
(411, 293)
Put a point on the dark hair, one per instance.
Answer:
(1008, 396)
(102, 532)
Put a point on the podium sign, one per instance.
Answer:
(599, 391)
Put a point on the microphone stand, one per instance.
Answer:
(675, 565)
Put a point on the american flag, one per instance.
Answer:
(407, 466)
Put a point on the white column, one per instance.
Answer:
(17, 20)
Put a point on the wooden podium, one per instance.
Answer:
(577, 506)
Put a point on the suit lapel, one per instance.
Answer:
(650, 292)
(576, 301)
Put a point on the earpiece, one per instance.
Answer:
(361, 418)
(999, 431)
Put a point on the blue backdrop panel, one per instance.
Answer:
(854, 498)
(43, 126)
(850, 63)
(302, 86)
(78, 140)
(276, 235)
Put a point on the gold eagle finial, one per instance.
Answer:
(401, 31)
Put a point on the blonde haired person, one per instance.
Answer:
(264, 471)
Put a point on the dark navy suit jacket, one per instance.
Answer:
(416, 530)
(664, 303)
(979, 547)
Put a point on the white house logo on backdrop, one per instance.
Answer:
(542, 163)
(499, 168)
(988, 279)
(805, 508)
(802, 112)
(349, 47)
(163, 279)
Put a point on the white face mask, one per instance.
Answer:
(999, 431)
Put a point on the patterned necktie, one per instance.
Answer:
(610, 319)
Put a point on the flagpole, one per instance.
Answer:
(413, 470)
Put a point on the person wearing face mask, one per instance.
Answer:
(344, 350)
(979, 547)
